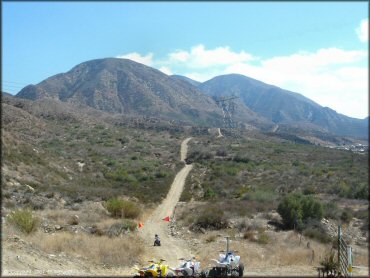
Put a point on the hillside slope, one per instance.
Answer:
(123, 86)
(282, 106)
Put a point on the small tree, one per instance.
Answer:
(290, 210)
(296, 209)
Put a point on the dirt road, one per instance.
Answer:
(172, 249)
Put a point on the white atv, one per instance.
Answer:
(228, 264)
(188, 268)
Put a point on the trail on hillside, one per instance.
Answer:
(172, 248)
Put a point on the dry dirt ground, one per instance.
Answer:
(173, 248)
(284, 256)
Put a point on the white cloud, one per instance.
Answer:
(134, 56)
(199, 57)
(329, 76)
(363, 30)
(181, 56)
(332, 77)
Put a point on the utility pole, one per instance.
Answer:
(227, 105)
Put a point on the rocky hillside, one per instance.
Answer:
(123, 86)
(284, 107)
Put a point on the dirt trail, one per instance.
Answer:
(172, 249)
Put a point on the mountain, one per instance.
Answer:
(186, 79)
(5, 94)
(126, 87)
(284, 107)
(123, 86)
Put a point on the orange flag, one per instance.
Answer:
(166, 219)
(141, 225)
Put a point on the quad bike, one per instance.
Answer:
(228, 264)
(157, 242)
(155, 269)
(188, 268)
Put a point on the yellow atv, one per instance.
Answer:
(155, 269)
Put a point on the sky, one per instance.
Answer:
(318, 49)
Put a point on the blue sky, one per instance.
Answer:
(317, 49)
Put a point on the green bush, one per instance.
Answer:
(295, 209)
(209, 193)
(347, 215)
(332, 211)
(23, 220)
(260, 195)
(315, 230)
(362, 191)
(121, 208)
(211, 217)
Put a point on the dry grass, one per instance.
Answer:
(102, 250)
(89, 214)
(282, 250)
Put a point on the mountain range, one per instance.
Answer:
(125, 87)
(283, 107)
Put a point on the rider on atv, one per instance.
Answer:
(157, 241)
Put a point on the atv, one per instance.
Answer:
(227, 265)
(155, 269)
(188, 268)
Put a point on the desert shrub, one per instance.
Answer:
(332, 211)
(260, 195)
(211, 217)
(295, 209)
(346, 215)
(241, 159)
(263, 238)
(122, 227)
(329, 263)
(198, 156)
(222, 152)
(362, 191)
(309, 190)
(315, 230)
(121, 208)
(23, 220)
(249, 234)
(209, 193)
(211, 238)
(344, 190)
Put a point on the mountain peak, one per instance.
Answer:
(123, 86)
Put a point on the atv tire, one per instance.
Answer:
(148, 275)
(213, 273)
(241, 269)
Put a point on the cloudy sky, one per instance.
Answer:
(317, 49)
